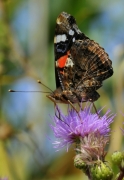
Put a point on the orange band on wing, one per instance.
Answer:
(62, 60)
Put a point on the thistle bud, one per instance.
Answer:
(117, 158)
(101, 172)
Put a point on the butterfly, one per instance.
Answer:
(81, 64)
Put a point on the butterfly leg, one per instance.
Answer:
(74, 109)
(54, 101)
(55, 107)
(96, 110)
(72, 106)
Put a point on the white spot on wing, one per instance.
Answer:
(64, 38)
(73, 39)
(71, 32)
(69, 62)
(60, 38)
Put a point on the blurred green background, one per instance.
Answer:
(26, 55)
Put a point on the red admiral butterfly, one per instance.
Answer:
(80, 63)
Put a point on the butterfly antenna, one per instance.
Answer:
(11, 90)
(44, 85)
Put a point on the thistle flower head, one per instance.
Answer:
(73, 127)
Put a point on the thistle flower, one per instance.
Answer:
(89, 133)
(76, 127)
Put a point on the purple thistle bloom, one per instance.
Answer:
(70, 128)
